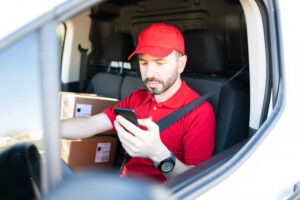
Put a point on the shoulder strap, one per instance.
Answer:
(176, 115)
(83, 65)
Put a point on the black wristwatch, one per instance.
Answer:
(166, 165)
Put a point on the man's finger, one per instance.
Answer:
(124, 135)
(149, 124)
(127, 124)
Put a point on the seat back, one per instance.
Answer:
(131, 83)
(231, 102)
(117, 47)
(106, 84)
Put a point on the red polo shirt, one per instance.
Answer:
(191, 138)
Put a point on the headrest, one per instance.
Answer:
(117, 47)
(204, 52)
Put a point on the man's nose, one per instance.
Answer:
(150, 71)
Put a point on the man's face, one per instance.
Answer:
(160, 74)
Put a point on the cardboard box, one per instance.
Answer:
(97, 151)
(82, 105)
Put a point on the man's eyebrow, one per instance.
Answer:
(154, 59)
(141, 59)
(159, 59)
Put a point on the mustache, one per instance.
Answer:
(152, 79)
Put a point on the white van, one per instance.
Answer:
(79, 49)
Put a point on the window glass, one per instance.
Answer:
(20, 94)
(61, 31)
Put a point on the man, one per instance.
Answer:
(187, 142)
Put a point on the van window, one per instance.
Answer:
(21, 116)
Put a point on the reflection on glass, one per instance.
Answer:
(61, 31)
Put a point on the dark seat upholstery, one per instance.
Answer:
(106, 84)
(131, 83)
(231, 102)
(117, 47)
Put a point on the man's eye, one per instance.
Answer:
(160, 63)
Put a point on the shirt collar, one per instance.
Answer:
(177, 100)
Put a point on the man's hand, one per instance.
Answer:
(137, 142)
(145, 143)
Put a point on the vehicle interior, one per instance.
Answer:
(216, 46)
(222, 53)
(98, 42)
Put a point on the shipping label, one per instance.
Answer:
(102, 152)
(83, 110)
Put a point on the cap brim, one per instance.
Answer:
(158, 52)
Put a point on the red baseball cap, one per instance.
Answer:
(159, 40)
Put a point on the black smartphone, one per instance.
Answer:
(128, 114)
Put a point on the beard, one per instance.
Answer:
(165, 84)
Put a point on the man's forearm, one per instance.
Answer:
(75, 128)
(179, 168)
(78, 128)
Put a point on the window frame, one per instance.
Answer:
(197, 181)
(49, 62)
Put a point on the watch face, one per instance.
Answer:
(167, 166)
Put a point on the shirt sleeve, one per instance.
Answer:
(128, 102)
(110, 111)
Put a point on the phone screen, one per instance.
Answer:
(128, 114)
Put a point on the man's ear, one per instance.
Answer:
(181, 63)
